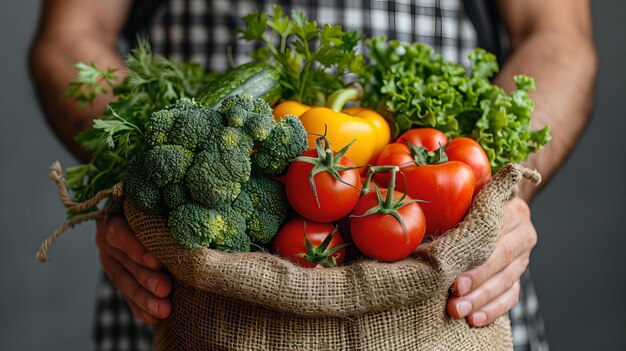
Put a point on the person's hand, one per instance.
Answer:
(487, 292)
(133, 270)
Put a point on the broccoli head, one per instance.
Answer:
(253, 115)
(286, 141)
(227, 139)
(144, 193)
(198, 166)
(176, 195)
(194, 225)
(186, 124)
(233, 237)
(159, 126)
(167, 163)
(264, 203)
(216, 178)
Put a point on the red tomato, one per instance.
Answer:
(463, 149)
(290, 243)
(430, 138)
(336, 199)
(381, 236)
(447, 187)
(468, 151)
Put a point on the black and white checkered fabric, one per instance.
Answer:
(203, 31)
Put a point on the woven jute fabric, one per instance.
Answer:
(257, 301)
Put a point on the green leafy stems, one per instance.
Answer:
(312, 58)
(327, 162)
(321, 254)
(90, 83)
(387, 205)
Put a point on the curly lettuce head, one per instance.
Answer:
(415, 87)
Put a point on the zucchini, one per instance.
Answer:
(257, 79)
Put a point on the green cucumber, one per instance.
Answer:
(257, 79)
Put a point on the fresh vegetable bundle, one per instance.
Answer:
(198, 162)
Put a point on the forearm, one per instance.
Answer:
(52, 67)
(564, 68)
(552, 42)
(71, 31)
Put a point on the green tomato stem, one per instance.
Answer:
(390, 190)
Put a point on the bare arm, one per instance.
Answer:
(71, 31)
(87, 31)
(551, 42)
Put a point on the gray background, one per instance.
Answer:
(578, 265)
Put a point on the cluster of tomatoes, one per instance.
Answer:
(422, 186)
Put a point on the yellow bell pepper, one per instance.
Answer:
(378, 122)
(369, 128)
(289, 107)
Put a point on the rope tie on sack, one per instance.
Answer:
(116, 193)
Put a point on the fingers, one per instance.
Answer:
(120, 236)
(144, 305)
(133, 270)
(483, 294)
(156, 282)
(491, 290)
(495, 309)
(517, 240)
(141, 314)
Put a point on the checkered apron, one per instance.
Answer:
(202, 31)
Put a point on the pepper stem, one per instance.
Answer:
(337, 100)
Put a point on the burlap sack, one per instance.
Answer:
(256, 301)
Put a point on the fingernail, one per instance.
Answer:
(151, 261)
(153, 283)
(479, 318)
(153, 306)
(464, 307)
(464, 285)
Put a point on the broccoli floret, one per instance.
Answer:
(265, 203)
(233, 237)
(216, 178)
(231, 139)
(186, 124)
(254, 115)
(159, 126)
(144, 193)
(194, 225)
(167, 164)
(193, 125)
(286, 141)
(176, 195)
(243, 204)
(235, 109)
